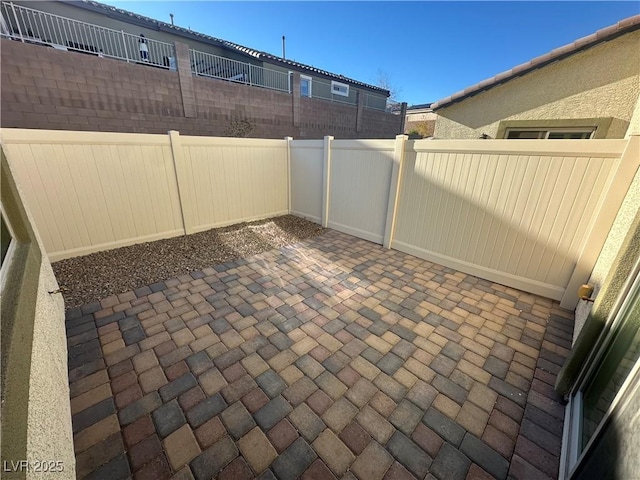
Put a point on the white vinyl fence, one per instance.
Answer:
(530, 214)
(360, 179)
(96, 191)
(307, 170)
(519, 213)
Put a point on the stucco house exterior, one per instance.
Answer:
(420, 119)
(589, 89)
(586, 89)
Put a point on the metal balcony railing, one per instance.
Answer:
(208, 65)
(34, 26)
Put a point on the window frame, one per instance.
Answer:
(310, 80)
(601, 124)
(544, 132)
(338, 92)
(10, 255)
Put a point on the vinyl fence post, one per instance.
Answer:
(326, 180)
(394, 189)
(288, 140)
(626, 171)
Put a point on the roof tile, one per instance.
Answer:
(623, 26)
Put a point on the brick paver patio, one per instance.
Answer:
(334, 358)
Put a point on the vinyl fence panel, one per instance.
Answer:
(231, 180)
(359, 187)
(306, 178)
(95, 191)
(518, 212)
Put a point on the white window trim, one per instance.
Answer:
(306, 77)
(339, 84)
(571, 458)
(547, 130)
(9, 257)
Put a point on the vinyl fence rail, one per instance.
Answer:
(34, 26)
(209, 65)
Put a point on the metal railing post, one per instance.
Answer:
(124, 44)
(15, 16)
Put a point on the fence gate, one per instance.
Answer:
(360, 180)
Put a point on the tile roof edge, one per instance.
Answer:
(622, 27)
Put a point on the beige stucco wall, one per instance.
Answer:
(634, 124)
(36, 414)
(610, 250)
(602, 81)
(49, 434)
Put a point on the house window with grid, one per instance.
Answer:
(338, 88)
(305, 86)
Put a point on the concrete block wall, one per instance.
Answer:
(51, 89)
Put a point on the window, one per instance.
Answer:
(7, 239)
(550, 133)
(338, 88)
(305, 86)
(567, 128)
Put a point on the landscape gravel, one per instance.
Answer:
(96, 276)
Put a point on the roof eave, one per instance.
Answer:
(623, 27)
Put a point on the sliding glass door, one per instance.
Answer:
(609, 378)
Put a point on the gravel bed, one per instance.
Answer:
(98, 275)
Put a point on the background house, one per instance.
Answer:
(420, 120)
(587, 89)
(263, 95)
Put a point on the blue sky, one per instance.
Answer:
(427, 50)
